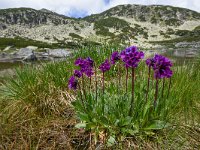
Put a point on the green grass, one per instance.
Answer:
(19, 42)
(36, 110)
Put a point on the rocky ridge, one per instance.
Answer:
(134, 24)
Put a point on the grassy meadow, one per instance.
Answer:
(39, 111)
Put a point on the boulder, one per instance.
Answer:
(31, 57)
(32, 47)
(26, 54)
(58, 53)
(23, 52)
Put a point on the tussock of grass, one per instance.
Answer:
(36, 111)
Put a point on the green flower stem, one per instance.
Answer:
(163, 87)
(156, 93)
(81, 97)
(95, 82)
(83, 86)
(103, 83)
(126, 80)
(149, 75)
(132, 100)
(90, 84)
(119, 74)
(169, 87)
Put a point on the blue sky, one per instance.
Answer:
(81, 8)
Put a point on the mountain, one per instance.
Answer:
(140, 24)
(31, 17)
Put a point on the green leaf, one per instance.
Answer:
(80, 125)
(111, 141)
(157, 125)
(84, 117)
(129, 131)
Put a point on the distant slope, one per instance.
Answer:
(123, 24)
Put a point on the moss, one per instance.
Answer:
(142, 18)
(161, 33)
(181, 39)
(173, 22)
(21, 42)
(153, 36)
(166, 36)
(75, 36)
(197, 28)
(153, 20)
(170, 31)
(187, 33)
(104, 32)
(111, 22)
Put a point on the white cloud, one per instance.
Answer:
(70, 7)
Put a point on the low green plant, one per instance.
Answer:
(114, 111)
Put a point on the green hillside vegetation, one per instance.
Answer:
(102, 26)
(19, 42)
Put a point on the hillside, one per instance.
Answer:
(123, 24)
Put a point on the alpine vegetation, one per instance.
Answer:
(117, 110)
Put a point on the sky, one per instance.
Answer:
(81, 8)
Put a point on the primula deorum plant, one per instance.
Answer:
(162, 69)
(119, 113)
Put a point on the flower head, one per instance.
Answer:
(72, 83)
(114, 57)
(77, 73)
(150, 62)
(105, 66)
(88, 71)
(162, 67)
(90, 61)
(86, 66)
(131, 56)
(80, 62)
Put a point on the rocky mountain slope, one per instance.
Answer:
(138, 24)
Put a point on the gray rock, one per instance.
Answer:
(58, 53)
(2, 26)
(31, 57)
(23, 52)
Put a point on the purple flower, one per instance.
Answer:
(162, 67)
(80, 62)
(150, 62)
(72, 83)
(105, 66)
(86, 66)
(77, 73)
(90, 61)
(88, 71)
(114, 57)
(131, 56)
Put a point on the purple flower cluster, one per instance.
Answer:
(131, 56)
(72, 83)
(86, 66)
(114, 57)
(105, 66)
(77, 73)
(161, 66)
